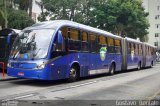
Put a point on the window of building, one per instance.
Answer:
(157, 25)
(155, 43)
(158, 8)
(157, 17)
(157, 34)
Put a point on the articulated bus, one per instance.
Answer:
(7, 37)
(64, 49)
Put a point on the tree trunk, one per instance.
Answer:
(30, 8)
(5, 15)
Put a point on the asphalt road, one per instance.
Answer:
(97, 90)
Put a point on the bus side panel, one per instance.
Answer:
(124, 54)
(118, 61)
(84, 63)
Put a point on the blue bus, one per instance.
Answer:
(7, 37)
(64, 49)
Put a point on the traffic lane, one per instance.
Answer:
(134, 85)
(24, 87)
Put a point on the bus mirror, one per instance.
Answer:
(60, 38)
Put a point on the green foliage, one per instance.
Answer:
(121, 17)
(12, 18)
(19, 19)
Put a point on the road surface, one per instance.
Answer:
(98, 90)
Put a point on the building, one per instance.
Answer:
(35, 10)
(153, 7)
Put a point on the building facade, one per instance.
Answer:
(153, 7)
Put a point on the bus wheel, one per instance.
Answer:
(151, 64)
(139, 66)
(73, 75)
(112, 69)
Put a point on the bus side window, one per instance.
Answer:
(84, 41)
(56, 45)
(102, 42)
(111, 48)
(117, 46)
(129, 48)
(74, 40)
(93, 42)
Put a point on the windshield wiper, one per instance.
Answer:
(34, 55)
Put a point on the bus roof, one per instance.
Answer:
(6, 31)
(149, 45)
(56, 24)
(133, 40)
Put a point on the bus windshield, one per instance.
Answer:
(32, 44)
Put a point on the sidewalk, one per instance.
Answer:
(5, 77)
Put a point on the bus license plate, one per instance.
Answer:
(21, 74)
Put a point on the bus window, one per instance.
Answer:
(64, 32)
(74, 40)
(140, 50)
(136, 49)
(129, 48)
(102, 42)
(117, 46)
(84, 41)
(111, 45)
(92, 39)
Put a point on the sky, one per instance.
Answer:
(36, 8)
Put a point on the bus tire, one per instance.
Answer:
(151, 64)
(112, 69)
(139, 66)
(73, 74)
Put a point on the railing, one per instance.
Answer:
(2, 63)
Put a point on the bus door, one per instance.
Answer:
(111, 51)
(102, 58)
(92, 54)
(131, 56)
(129, 60)
(85, 60)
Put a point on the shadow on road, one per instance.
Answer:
(42, 83)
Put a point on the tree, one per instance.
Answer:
(121, 17)
(3, 14)
(19, 19)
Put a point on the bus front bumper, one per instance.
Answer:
(41, 74)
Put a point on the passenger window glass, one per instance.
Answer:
(74, 40)
(117, 46)
(102, 40)
(84, 41)
(129, 48)
(93, 45)
(111, 48)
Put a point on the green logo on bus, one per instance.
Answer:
(103, 52)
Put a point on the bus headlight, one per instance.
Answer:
(41, 66)
(9, 65)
